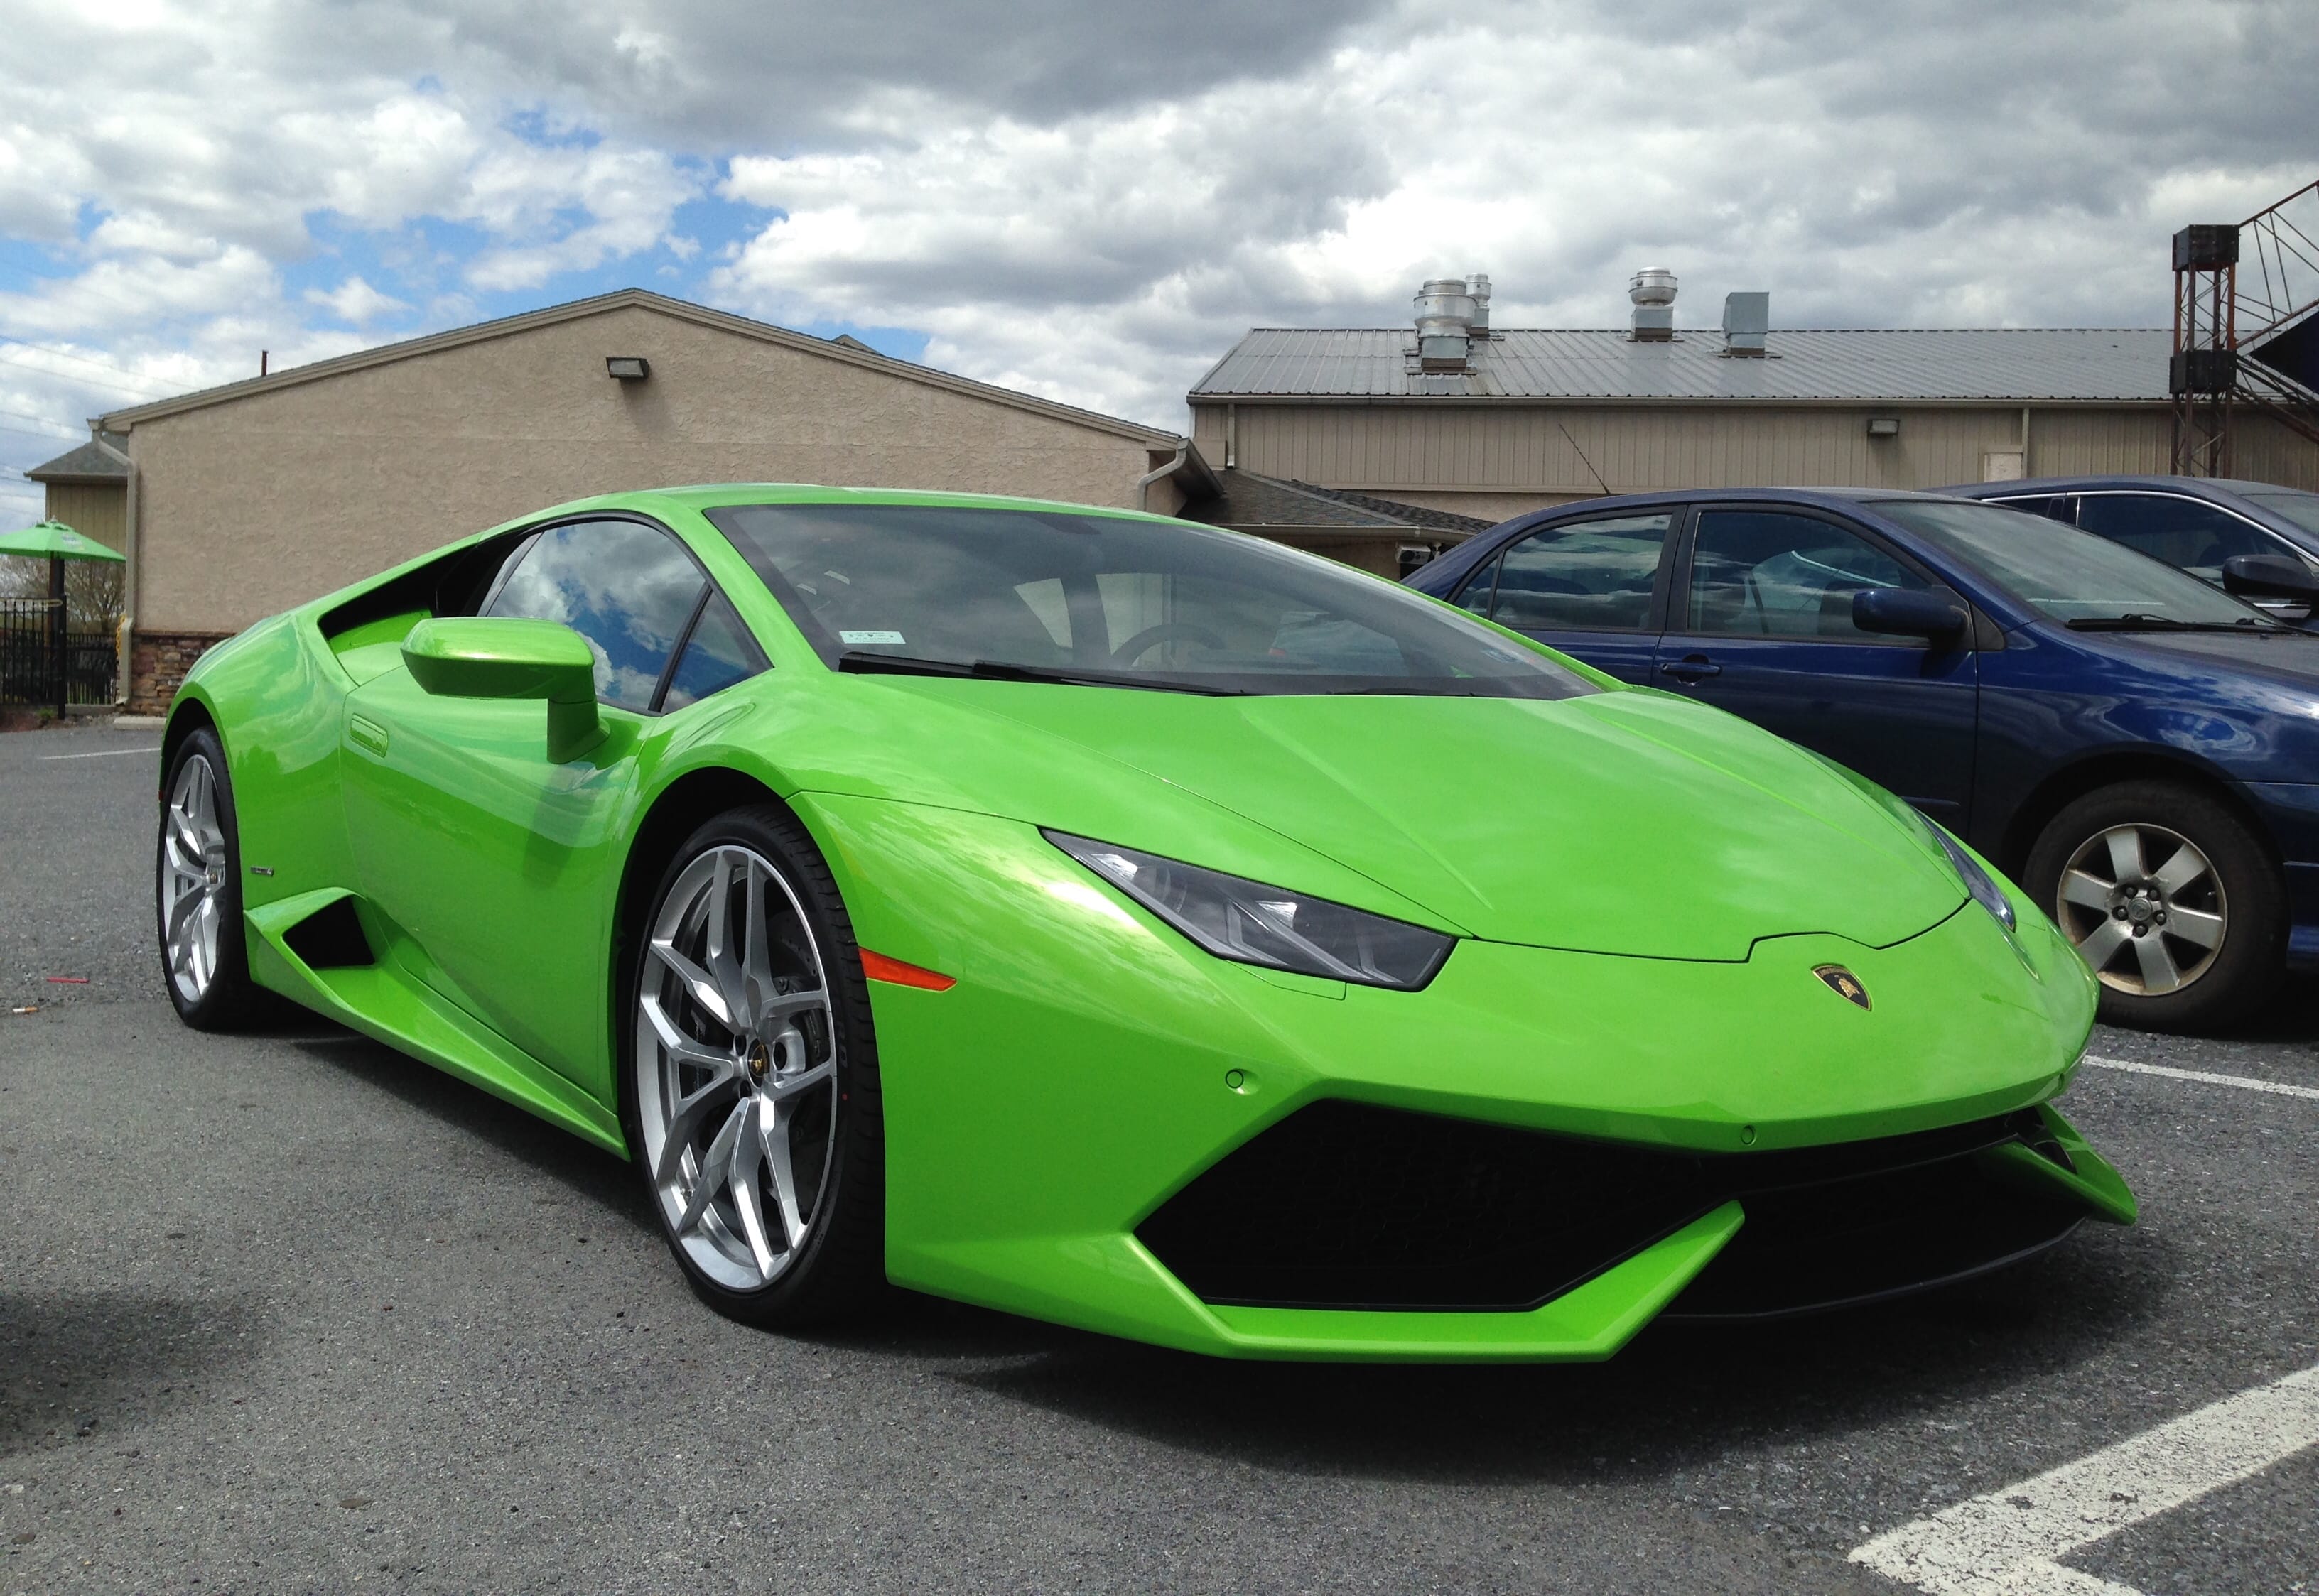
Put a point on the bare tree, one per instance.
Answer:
(94, 589)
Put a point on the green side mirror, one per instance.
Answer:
(490, 657)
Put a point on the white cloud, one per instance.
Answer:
(356, 300)
(1093, 199)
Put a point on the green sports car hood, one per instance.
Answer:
(1619, 822)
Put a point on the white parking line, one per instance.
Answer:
(2007, 1542)
(103, 753)
(2245, 1083)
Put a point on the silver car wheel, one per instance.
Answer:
(192, 878)
(736, 1068)
(2145, 907)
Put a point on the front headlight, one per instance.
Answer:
(1978, 882)
(1252, 923)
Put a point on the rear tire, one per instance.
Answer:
(197, 891)
(749, 1068)
(2171, 897)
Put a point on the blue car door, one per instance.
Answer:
(1760, 624)
(1593, 588)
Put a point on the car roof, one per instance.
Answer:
(2198, 487)
(1830, 498)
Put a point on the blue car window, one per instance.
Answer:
(627, 588)
(1582, 576)
(719, 652)
(1764, 573)
(1481, 588)
(2300, 508)
(2187, 533)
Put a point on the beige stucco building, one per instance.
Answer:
(239, 501)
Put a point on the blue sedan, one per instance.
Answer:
(2194, 524)
(2139, 749)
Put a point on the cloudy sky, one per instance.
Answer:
(1091, 199)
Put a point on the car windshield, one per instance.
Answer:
(1110, 600)
(2072, 576)
(2302, 509)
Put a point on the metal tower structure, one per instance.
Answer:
(2246, 329)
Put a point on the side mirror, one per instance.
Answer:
(2270, 576)
(488, 657)
(1906, 612)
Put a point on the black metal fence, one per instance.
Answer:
(28, 658)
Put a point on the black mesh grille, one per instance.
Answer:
(1349, 1205)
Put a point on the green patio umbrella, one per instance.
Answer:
(58, 542)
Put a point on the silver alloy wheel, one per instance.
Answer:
(2143, 928)
(736, 1068)
(192, 878)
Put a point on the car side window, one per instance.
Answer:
(2054, 507)
(1481, 588)
(719, 652)
(628, 588)
(1582, 576)
(2185, 533)
(1768, 573)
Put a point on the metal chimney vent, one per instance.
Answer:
(1746, 318)
(1653, 291)
(1445, 318)
(1478, 284)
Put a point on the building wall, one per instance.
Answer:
(94, 509)
(253, 505)
(1496, 459)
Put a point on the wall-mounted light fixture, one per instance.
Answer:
(627, 368)
(1884, 426)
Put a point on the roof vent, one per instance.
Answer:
(1478, 286)
(1746, 318)
(1445, 318)
(1653, 291)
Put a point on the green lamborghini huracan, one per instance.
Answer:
(1124, 923)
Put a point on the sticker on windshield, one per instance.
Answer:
(851, 639)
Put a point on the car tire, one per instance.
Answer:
(197, 891)
(719, 1081)
(2195, 891)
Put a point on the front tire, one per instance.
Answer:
(2172, 901)
(197, 890)
(750, 1076)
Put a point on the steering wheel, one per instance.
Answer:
(1151, 637)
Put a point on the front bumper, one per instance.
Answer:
(1090, 1067)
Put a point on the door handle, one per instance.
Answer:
(1696, 667)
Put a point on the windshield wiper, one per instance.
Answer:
(901, 664)
(2165, 623)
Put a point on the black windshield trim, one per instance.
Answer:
(854, 662)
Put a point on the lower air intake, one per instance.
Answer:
(1349, 1205)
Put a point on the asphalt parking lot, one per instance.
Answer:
(288, 1313)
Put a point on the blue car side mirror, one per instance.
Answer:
(1907, 613)
(2269, 576)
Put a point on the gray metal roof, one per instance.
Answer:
(1976, 362)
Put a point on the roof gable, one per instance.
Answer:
(846, 351)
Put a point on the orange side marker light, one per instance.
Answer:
(878, 967)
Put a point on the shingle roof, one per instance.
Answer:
(1246, 499)
(91, 459)
(1999, 363)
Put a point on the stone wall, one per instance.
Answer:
(157, 663)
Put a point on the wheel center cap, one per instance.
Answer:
(760, 1062)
